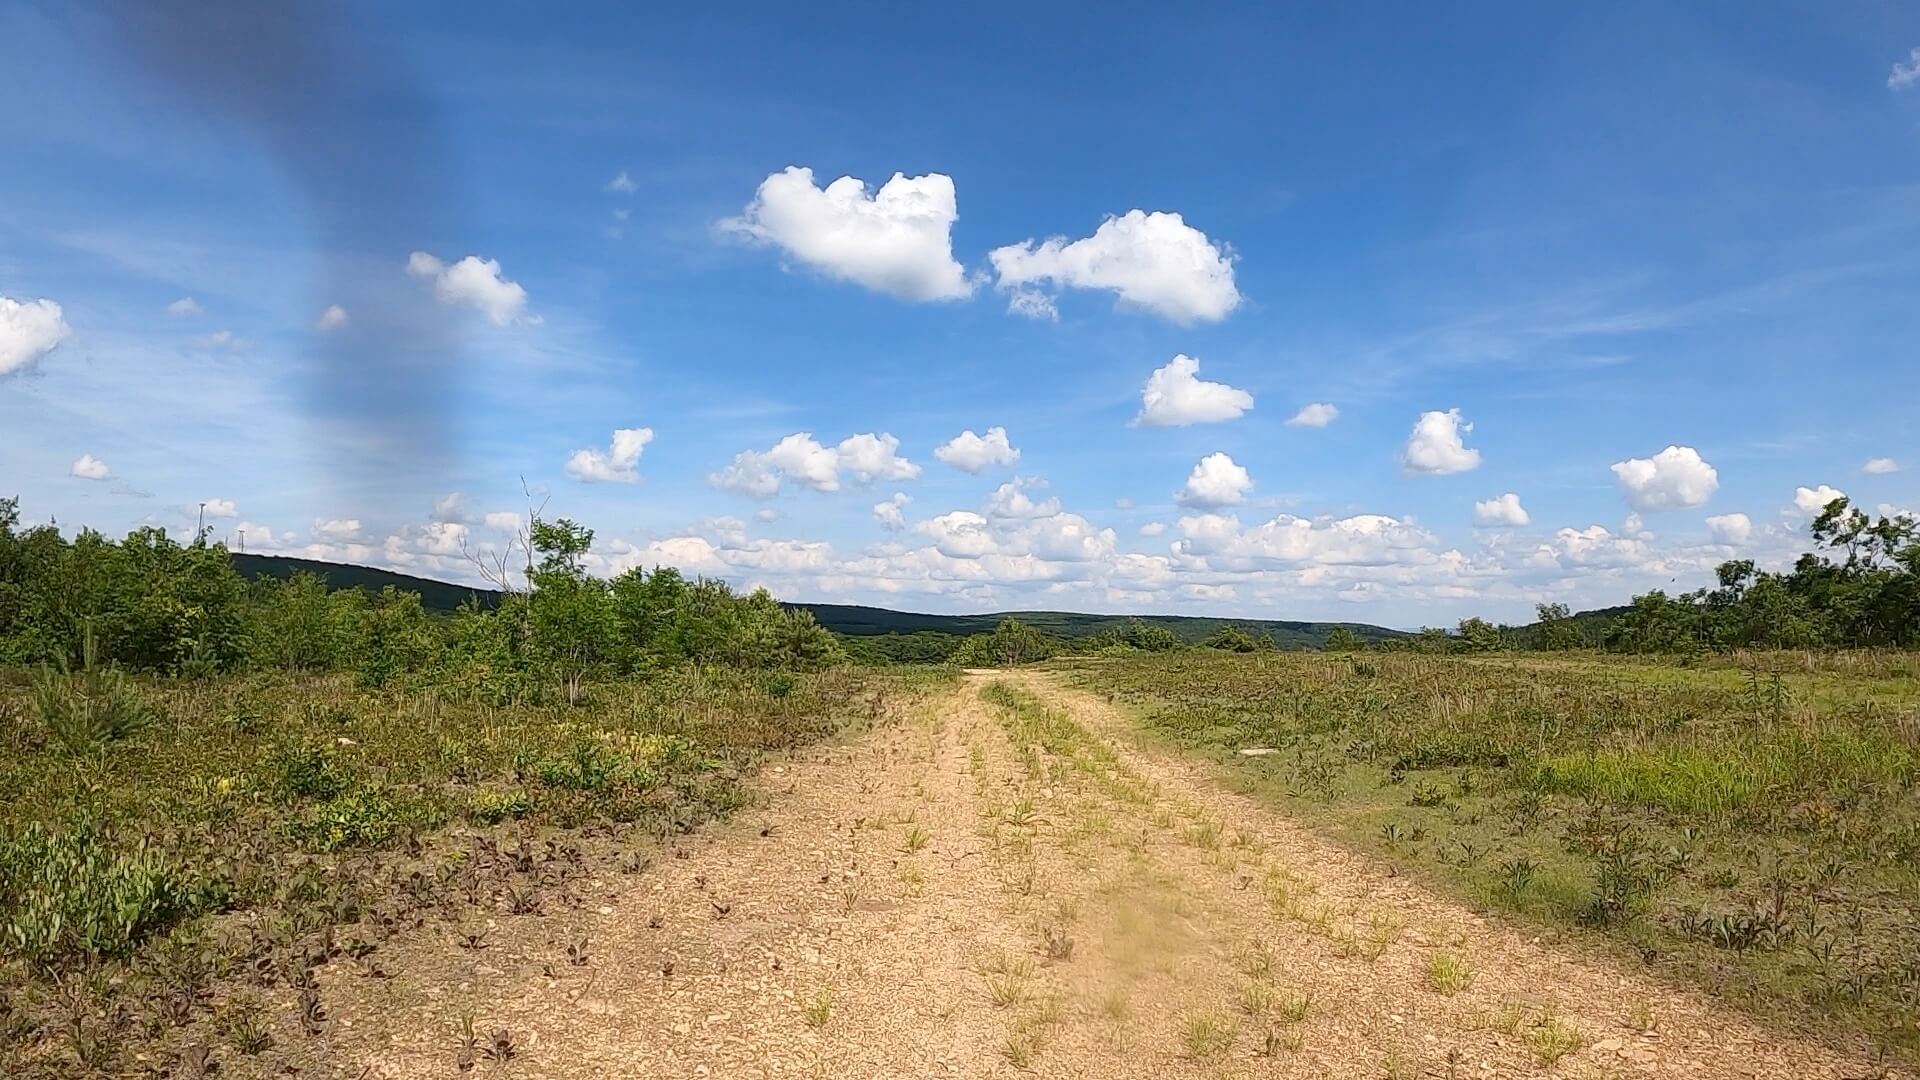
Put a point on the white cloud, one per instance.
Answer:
(1033, 304)
(1591, 548)
(1175, 396)
(1436, 448)
(1504, 510)
(220, 341)
(1730, 528)
(1815, 499)
(29, 330)
(88, 467)
(1317, 414)
(504, 521)
(451, 508)
(971, 453)
(766, 513)
(1673, 479)
(337, 528)
(333, 318)
(1905, 75)
(184, 307)
(476, 283)
(803, 460)
(890, 513)
(1011, 500)
(1215, 481)
(959, 534)
(220, 508)
(1360, 540)
(896, 241)
(618, 464)
(1153, 528)
(623, 184)
(1633, 525)
(1155, 262)
(1880, 466)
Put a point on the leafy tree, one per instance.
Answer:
(1341, 639)
(1475, 634)
(1011, 642)
(1557, 630)
(571, 628)
(1231, 638)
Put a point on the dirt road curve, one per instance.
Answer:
(944, 898)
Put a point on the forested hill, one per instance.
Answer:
(438, 596)
(855, 620)
(849, 619)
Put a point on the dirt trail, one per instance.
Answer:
(941, 898)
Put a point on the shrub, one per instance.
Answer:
(360, 818)
(307, 771)
(72, 895)
(85, 712)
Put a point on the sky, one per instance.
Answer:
(1380, 313)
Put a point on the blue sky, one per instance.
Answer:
(1520, 253)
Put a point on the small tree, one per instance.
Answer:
(570, 623)
(1343, 640)
(1557, 628)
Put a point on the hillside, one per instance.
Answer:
(857, 620)
(852, 620)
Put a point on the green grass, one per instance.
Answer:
(255, 824)
(1750, 824)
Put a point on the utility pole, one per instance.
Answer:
(243, 541)
(200, 530)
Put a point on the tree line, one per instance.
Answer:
(150, 603)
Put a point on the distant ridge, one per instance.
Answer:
(853, 620)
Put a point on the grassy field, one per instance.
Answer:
(1748, 824)
(176, 857)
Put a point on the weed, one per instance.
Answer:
(1552, 1039)
(818, 1009)
(1206, 1035)
(1447, 974)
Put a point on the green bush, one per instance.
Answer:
(72, 894)
(307, 771)
(360, 818)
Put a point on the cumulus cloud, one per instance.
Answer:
(1436, 447)
(1730, 528)
(1905, 75)
(1153, 528)
(337, 528)
(959, 534)
(618, 464)
(88, 467)
(1155, 262)
(334, 318)
(1317, 414)
(971, 453)
(220, 508)
(1012, 499)
(1591, 548)
(1360, 540)
(1175, 396)
(1812, 500)
(1504, 510)
(897, 240)
(475, 283)
(804, 461)
(184, 307)
(1673, 479)
(29, 330)
(1880, 466)
(891, 513)
(622, 184)
(1214, 481)
(504, 521)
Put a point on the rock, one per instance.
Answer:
(1257, 751)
